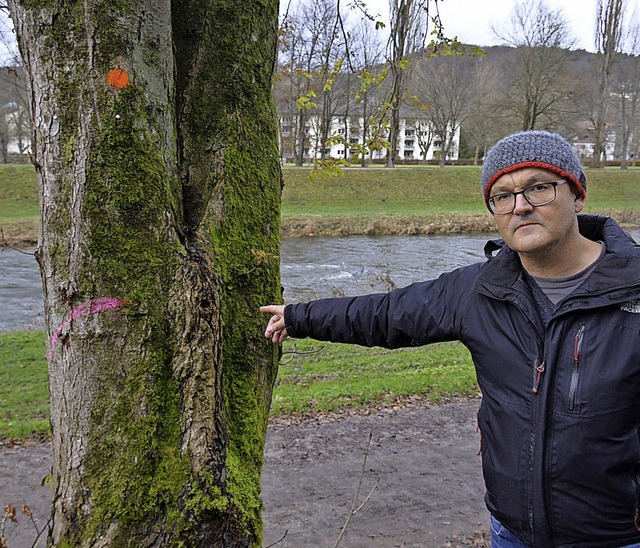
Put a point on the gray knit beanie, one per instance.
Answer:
(533, 149)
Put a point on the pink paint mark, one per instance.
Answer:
(87, 308)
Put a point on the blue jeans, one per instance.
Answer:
(503, 538)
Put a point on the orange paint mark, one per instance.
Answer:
(118, 78)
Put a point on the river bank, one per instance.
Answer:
(24, 234)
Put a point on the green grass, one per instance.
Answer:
(338, 376)
(24, 393)
(370, 192)
(425, 191)
(378, 191)
(18, 193)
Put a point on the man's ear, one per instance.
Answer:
(578, 204)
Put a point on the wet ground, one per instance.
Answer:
(421, 463)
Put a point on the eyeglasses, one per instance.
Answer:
(537, 195)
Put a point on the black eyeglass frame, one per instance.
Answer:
(554, 184)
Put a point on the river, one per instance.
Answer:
(311, 268)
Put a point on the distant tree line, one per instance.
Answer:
(15, 125)
(337, 65)
(333, 65)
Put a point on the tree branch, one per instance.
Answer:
(353, 511)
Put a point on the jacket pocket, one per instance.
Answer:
(575, 374)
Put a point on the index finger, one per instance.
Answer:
(272, 309)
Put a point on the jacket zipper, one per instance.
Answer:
(538, 370)
(573, 387)
(636, 512)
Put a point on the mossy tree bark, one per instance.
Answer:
(156, 153)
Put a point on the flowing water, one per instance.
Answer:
(311, 268)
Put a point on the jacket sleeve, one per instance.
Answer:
(418, 314)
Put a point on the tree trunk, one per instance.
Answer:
(608, 36)
(393, 136)
(155, 148)
(301, 140)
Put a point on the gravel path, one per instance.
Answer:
(423, 461)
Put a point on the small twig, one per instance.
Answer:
(278, 541)
(302, 353)
(295, 352)
(353, 511)
(26, 511)
(37, 539)
(7, 244)
(364, 502)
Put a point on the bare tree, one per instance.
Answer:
(424, 137)
(291, 84)
(15, 122)
(407, 35)
(625, 86)
(329, 66)
(15, 126)
(447, 86)
(155, 150)
(485, 122)
(301, 60)
(366, 50)
(609, 27)
(311, 62)
(532, 84)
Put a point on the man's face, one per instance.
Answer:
(538, 230)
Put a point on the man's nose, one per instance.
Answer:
(522, 205)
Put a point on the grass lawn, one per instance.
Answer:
(19, 210)
(336, 377)
(363, 196)
(18, 193)
(340, 375)
(422, 191)
(24, 392)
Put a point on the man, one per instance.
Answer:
(552, 321)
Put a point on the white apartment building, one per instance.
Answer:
(416, 140)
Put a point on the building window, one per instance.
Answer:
(409, 132)
(409, 143)
(408, 153)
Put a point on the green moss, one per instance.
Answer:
(126, 204)
(247, 187)
(135, 473)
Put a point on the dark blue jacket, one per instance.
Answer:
(560, 412)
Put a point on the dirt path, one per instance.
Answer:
(423, 460)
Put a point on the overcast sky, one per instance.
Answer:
(471, 20)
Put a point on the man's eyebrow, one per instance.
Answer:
(499, 189)
(536, 178)
(531, 180)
